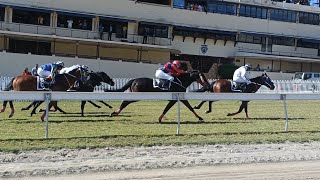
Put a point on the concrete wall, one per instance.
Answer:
(13, 64)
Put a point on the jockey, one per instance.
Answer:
(26, 72)
(49, 71)
(167, 73)
(241, 78)
(84, 70)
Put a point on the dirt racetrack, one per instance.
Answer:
(294, 161)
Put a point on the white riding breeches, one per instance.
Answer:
(43, 73)
(161, 75)
(68, 69)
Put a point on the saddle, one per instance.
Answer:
(238, 87)
(43, 84)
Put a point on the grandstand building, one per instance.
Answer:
(132, 38)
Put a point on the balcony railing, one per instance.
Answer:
(277, 53)
(84, 34)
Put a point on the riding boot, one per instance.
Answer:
(165, 84)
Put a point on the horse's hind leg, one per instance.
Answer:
(187, 104)
(243, 105)
(122, 106)
(29, 106)
(12, 109)
(94, 104)
(166, 109)
(199, 105)
(57, 108)
(110, 107)
(36, 105)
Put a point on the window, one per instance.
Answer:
(283, 15)
(33, 47)
(163, 2)
(251, 38)
(222, 7)
(2, 11)
(30, 16)
(281, 40)
(253, 11)
(308, 18)
(307, 44)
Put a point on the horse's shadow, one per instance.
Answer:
(193, 122)
(269, 119)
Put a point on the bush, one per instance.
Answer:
(226, 71)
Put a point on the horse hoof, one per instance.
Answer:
(10, 116)
(23, 109)
(31, 114)
(110, 107)
(113, 114)
(196, 107)
(207, 112)
(2, 110)
(229, 114)
(200, 119)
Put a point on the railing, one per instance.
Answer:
(277, 53)
(78, 33)
(281, 86)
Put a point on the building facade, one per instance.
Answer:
(273, 36)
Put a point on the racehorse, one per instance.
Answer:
(95, 79)
(179, 84)
(29, 83)
(223, 86)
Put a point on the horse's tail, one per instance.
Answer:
(9, 86)
(124, 88)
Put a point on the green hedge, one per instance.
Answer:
(226, 71)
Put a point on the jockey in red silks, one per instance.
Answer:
(167, 73)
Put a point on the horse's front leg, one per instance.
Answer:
(83, 103)
(210, 107)
(123, 105)
(246, 109)
(45, 112)
(110, 107)
(29, 106)
(94, 104)
(4, 106)
(187, 104)
(166, 109)
(199, 105)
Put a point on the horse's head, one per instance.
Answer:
(265, 80)
(103, 77)
(199, 77)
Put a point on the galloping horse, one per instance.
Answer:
(29, 83)
(95, 79)
(146, 85)
(223, 86)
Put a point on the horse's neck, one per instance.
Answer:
(185, 80)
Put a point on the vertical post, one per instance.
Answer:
(285, 111)
(47, 99)
(178, 99)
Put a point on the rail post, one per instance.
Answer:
(178, 97)
(47, 97)
(284, 98)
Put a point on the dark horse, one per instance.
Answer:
(146, 85)
(223, 85)
(95, 79)
(29, 83)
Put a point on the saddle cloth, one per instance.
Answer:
(40, 85)
(156, 83)
(234, 87)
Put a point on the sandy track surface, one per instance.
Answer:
(66, 162)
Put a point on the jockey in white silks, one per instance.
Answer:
(84, 74)
(241, 77)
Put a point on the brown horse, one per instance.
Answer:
(29, 83)
(223, 86)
